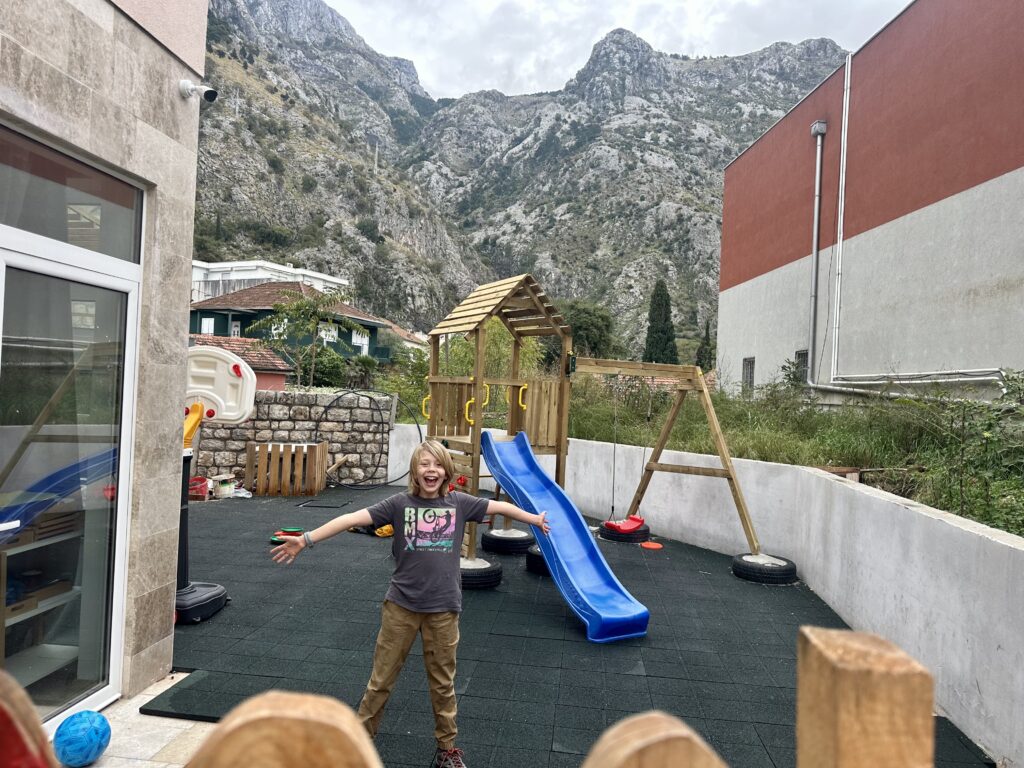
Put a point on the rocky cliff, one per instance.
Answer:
(325, 153)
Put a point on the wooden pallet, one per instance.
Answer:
(286, 469)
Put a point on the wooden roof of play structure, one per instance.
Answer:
(519, 302)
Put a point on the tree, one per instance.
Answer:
(294, 328)
(706, 349)
(660, 346)
(593, 331)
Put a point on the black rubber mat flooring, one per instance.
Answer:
(720, 652)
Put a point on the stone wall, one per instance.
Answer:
(355, 426)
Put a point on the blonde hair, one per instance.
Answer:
(440, 453)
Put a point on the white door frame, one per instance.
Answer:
(41, 255)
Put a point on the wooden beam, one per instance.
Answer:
(861, 702)
(545, 309)
(552, 331)
(466, 328)
(515, 314)
(601, 366)
(723, 455)
(319, 730)
(466, 312)
(652, 740)
(684, 469)
(450, 379)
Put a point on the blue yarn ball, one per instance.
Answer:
(81, 739)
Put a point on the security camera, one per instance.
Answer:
(188, 89)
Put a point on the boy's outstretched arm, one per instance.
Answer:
(504, 508)
(286, 552)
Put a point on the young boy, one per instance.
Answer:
(425, 594)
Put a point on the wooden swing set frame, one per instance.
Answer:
(687, 378)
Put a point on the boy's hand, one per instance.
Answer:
(286, 552)
(543, 524)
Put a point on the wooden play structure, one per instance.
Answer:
(454, 406)
(861, 703)
(687, 378)
(540, 407)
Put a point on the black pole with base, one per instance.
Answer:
(195, 601)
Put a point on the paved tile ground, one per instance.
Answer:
(720, 652)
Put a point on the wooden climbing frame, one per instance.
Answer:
(687, 378)
(454, 406)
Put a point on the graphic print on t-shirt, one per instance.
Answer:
(429, 529)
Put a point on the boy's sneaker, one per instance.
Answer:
(448, 758)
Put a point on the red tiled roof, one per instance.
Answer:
(266, 295)
(259, 357)
(406, 336)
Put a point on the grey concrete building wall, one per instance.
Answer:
(85, 78)
(939, 289)
(179, 25)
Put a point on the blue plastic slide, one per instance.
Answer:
(576, 564)
(47, 491)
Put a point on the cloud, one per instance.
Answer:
(524, 46)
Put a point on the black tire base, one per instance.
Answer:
(506, 545)
(481, 578)
(764, 573)
(535, 562)
(641, 534)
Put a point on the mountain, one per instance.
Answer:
(328, 154)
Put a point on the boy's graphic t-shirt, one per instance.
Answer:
(427, 546)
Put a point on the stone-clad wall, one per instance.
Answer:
(356, 428)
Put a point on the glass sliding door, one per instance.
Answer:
(70, 278)
(62, 365)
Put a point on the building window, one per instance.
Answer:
(329, 333)
(56, 196)
(801, 365)
(236, 328)
(748, 375)
(361, 342)
(206, 325)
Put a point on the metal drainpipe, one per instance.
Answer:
(818, 129)
(840, 216)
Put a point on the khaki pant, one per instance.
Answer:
(398, 628)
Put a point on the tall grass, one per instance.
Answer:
(962, 456)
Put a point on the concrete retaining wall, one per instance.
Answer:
(942, 588)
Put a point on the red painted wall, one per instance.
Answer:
(272, 381)
(767, 206)
(936, 107)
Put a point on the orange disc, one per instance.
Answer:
(651, 545)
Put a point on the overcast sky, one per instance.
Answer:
(525, 46)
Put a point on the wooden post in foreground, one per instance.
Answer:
(286, 730)
(862, 702)
(652, 740)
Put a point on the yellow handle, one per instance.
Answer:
(522, 389)
(469, 403)
(487, 395)
(423, 407)
(507, 390)
(193, 419)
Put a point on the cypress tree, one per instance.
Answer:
(706, 349)
(660, 346)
